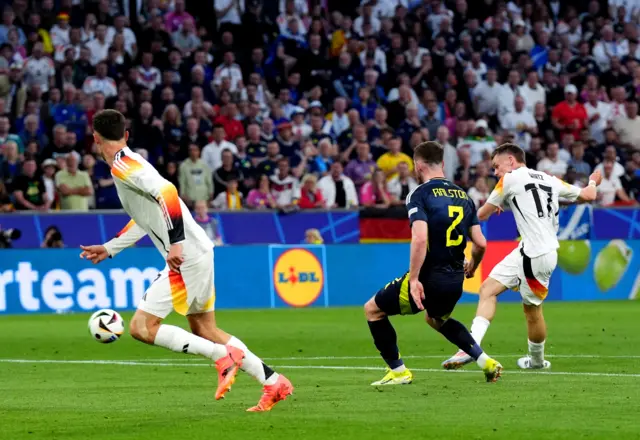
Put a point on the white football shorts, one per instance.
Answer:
(530, 276)
(188, 292)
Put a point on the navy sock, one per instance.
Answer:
(386, 341)
(458, 334)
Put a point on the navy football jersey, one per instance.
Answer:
(449, 213)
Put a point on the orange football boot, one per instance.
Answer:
(273, 394)
(228, 367)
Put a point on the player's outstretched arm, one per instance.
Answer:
(486, 211)
(128, 236)
(477, 250)
(590, 192)
(419, 239)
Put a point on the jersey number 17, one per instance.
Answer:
(536, 197)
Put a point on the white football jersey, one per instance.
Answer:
(38, 72)
(155, 209)
(533, 198)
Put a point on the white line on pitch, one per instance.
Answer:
(432, 356)
(303, 367)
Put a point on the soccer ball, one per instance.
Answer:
(106, 326)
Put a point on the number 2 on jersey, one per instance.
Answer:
(457, 213)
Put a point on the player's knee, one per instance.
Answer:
(372, 311)
(142, 329)
(486, 291)
(533, 314)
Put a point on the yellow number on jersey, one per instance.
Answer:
(457, 213)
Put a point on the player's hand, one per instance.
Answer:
(596, 177)
(469, 268)
(417, 293)
(95, 253)
(174, 259)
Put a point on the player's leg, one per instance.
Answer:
(442, 293)
(387, 302)
(503, 276)
(457, 334)
(148, 328)
(534, 286)
(169, 292)
(201, 316)
(204, 325)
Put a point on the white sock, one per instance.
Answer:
(399, 369)
(253, 365)
(536, 352)
(181, 341)
(482, 360)
(479, 327)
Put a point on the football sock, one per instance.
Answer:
(458, 334)
(181, 341)
(536, 352)
(479, 327)
(253, 365)
(386, 341)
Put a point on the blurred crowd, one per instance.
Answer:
(303, 104)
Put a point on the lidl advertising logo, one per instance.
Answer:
(298, 277)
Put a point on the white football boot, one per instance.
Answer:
(526, 364)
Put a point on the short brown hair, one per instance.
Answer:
(430, 152)
(512, 149)
(109, 124)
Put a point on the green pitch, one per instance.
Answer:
(593, 390)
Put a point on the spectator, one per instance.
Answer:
(6, 205)
(313, 236)
(28, 189)
(507, 93)
(49, 170)
(207, 222)
(310, 195)
(230, 198)
(630, 180)
(552, 164)
(581, 168)
(451, 160)
(321, 163)
(599, 114)
(52, 238)
(400, 186)
(228, 69)
(389, 161)
(520, 123)
(479, 193)
(285, 187)
(39, 69)
(100, 83)
(195, 178)
(532, 92)
(212, 152)
(374, 192)
(261, 197)
(226, 173)
(174, 20)
(569, 116)
(105, 189)
(10, 166)
(148, 76)
(337, 189)
(611, 155)
(628, 127)
(611, 187)
(360, 169)
(70, 114)
(98, 46)
(480, 144)
(6, 136)
(74, 186)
